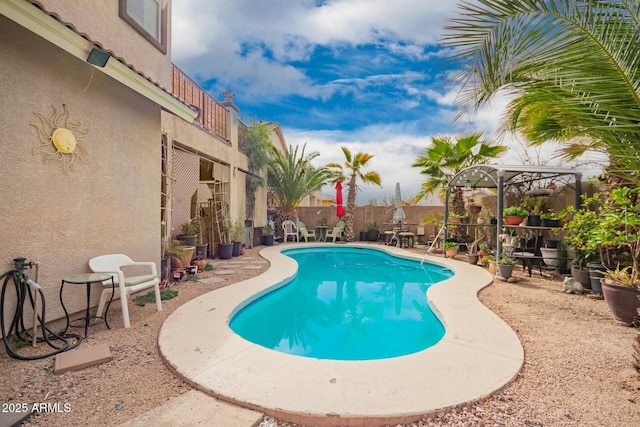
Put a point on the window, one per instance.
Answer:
(149, 18)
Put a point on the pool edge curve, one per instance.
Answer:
(478, 355)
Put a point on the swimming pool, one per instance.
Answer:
(478, 354)
(346, 304)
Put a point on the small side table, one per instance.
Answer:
(87, 279)
(321, 230)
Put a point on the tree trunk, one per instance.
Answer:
(351, 204)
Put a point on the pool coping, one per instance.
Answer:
(478, 355)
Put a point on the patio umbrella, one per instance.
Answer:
(398, 215)
(339, 208)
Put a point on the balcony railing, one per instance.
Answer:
(213, 116)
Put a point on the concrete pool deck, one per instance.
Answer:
(478, 355)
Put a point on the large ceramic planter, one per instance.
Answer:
(372, 235)
(595, 269)
(236, 249)
(505, 270)
(267, 240)
(202, 251)
(451, 252)
(581, 275)
(512, 220)
(622, 301)
(183, 260)
(472, 259)
(549, 256)
(225, 250)
(188, 239)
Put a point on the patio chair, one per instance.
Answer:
(290, 229)
(304, 233)
(124, 286)
(336, 233)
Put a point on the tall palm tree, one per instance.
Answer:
(573, 68)
(351, 171)
(291, 177)
(446, 156)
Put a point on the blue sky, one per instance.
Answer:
(365, 74)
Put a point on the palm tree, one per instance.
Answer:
(572, 67)
(291, 177)
(351, 171)
(446, 156)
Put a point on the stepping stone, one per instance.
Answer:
(225, 272)
(196, 408)
(211, 280)
(76, 359)
(252, 267)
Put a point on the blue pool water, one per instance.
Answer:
(346, 304)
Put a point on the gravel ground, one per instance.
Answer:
(577, 372)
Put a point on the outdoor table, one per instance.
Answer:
(87, 279)
(321, 231)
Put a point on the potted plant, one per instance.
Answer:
(202, 248)
(484, 251)
(621, 290)
(472, 254)
(267, 235)
(189, 231)
(235, 235)
(550, 219)
(513, 215)
(372, 232)
(490, 261)
(450, 249)
(454, 218)
(617, 236)
(534, 206)
(505, 266)
(225, 248)
(180, 254)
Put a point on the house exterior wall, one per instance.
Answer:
(100, 20)
(108, 205)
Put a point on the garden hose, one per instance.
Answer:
(17, 330)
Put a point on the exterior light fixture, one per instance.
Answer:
(98, 57)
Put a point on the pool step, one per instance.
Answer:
(196, 408)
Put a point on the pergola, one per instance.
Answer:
(500, 177)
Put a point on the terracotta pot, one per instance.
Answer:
(512, 220)
(454, 220)
(622, 301)
(200, 263)
(184, 260)
(493, 267)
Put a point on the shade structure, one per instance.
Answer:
(339, 207)
(398, 214)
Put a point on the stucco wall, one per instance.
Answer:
(101, 21)
(110, 204)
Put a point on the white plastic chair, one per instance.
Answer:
(290, 229)
(125, 286)
(336, 233)
(304, 233)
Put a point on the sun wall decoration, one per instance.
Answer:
(61, 139)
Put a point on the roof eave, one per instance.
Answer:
(54, 31)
